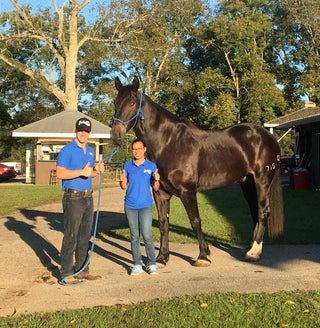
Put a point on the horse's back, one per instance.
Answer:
(228, 155)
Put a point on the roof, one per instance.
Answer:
(309, 114)
(61, 125)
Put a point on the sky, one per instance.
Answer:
(6, 5)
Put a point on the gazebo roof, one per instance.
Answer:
(309, 114)
(61, 125)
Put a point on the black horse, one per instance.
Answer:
(191, 160)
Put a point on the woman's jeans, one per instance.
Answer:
(78, 220)
(141, 218)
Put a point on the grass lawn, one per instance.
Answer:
(295, 309)
(225, 219)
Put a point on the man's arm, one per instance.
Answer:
(63, 173)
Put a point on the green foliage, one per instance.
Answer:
(282, 309)
(295, 46)
(222, 112)
(243, 62)
(237, 39)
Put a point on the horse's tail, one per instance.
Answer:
(275, 221)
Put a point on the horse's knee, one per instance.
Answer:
(253, 254)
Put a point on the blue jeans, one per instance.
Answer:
(78, 220)
(141, 219)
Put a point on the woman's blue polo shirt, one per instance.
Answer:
(72, 157)
(140, 178)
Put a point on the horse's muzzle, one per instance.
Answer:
(118, 133)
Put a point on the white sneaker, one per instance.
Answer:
(136, 270)
(152, 269)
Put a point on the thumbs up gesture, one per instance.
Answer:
(156, 175)
(123, 180)
(87, 170)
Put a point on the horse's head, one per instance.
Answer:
(127, 109)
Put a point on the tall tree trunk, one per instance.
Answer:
(70, 101)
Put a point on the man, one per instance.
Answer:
(75, 166)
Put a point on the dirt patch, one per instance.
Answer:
(30, 242)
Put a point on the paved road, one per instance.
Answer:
(30, 241)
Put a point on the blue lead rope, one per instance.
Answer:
(62, 281)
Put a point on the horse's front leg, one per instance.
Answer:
(162, 201)
(189, 200)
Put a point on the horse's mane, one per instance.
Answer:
(168, 114)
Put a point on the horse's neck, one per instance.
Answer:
(158, 127)
(151, 129)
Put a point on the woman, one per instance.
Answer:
(137, 176)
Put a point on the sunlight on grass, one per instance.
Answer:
(226, 218)
(282, 309)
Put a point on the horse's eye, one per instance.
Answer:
(132, 103)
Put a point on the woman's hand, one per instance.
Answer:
(156, 182)
(156, 175)
(123, 180)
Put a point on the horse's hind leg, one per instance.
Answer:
(162, 201)
(189, 200)
(256, 194)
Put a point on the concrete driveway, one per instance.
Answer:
(30, 242)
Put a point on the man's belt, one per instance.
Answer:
(87, 193)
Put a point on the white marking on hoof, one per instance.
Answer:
(202, 263)
(254, 253)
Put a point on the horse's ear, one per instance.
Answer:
(117, 83)
(135, 83)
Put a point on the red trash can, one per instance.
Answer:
(301, 179)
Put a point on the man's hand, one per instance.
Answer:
(99, 167)
(87, 170)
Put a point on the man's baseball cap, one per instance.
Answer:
(83, 124)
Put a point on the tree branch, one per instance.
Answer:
(35, 76)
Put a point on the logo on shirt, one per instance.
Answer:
(90, 153)
(147, 171)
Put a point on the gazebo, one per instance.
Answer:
(52, 133)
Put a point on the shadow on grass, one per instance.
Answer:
(302, 226)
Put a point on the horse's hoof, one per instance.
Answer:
(160, 265)
(251, 257)
(202, 263)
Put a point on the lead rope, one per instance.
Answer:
(62, 281)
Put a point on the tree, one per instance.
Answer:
(154, 50)
(295, 51)
(234, 44)
(45, 46)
